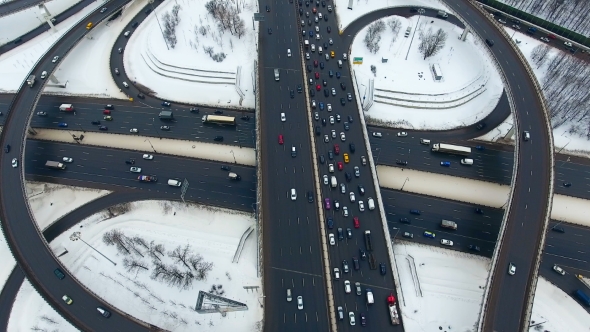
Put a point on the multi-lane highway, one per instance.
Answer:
(11, 7)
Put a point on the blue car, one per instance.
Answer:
(165, 103)
(311, 33)
(445, 163)
(62, 125)
(330, 222)
(429, 234)
(479, 147)
(337, 74)
(321, 105)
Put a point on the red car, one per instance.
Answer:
(356, 222)
(106, 112)
(318, 87)
(340, 166)
(315, 63)
(281, 141)
(317, 75)
(552, 36)
(314, 10)
(336, 149)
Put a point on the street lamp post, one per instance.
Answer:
(163, 36)
(232, 153)
(78, 236)
(378, 154)
(404, 183)
(147, 139)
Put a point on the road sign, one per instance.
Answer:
(258, 17)
(357, 61)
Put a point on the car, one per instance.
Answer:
(378, 134)
(402, 134)
(326, 93)
(333, 132)
(345, 211)
(41, 113)
(103, 128)
(105, 313)
(346, 158)
(331, 239)
(108, 118)
(445, 163)
(416, 212)
(332, 120)
(478, 211)
(336, 273)
(490, 42)
(401, 162)
(218, 138)
(342, 137)
(363, 160)
(382, 269)
(526, 135)
(480, 126)
(405, 221)
(14, 163)
(300, 302)
(338, 75)
(346, 126)
(347, 288)
(331, 168)
(429, 234)
(130, 162)
(117, 71)
(322, 106)
(310, 33)
(165, 128)
(281, 140)
(326, 138)
(351, 146)
(148, 157)
(502, 21)
(446, 242)
(140, 96)
(361, 206)
(167, 104)
(330, 155)
(104, 9)
(316, 115)
(269, 31)
(361, 189)
(322, 65)
(340, 166)
(327, 204)
(515, 26)
(62, 125)
(55, 58)
(558, 229)
(545, 39)
(67, 299)
(59, 274)
(474, 248)
(313, 104)
(324, 83)
(336, 205)
(333, 91)
(351, 319)
(357, 171)
(568, 44)
(558, 269)
(348, 176)
(135, 169)
(349, 96)
(329, 29)
(511, 269)
(317, 76)
(356, 223)
(408, 235)
(292, 94)
(342, 101)
(325, 179)
(310, 197)
(67, 159)
(330, 222)
(352, 197)
(133, 130)
(345, 268)
(338, 118)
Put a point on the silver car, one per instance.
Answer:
(326, 138)
(300, 302)
(135, 169)
(325, 177)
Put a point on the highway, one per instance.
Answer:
(25, 241)
(15, 6)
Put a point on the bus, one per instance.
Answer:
(220, 119)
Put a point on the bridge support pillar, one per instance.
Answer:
(510, 133)
(464, 34)
(46, 15)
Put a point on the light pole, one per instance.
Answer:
(232, 153)
(568, 142)
(378, 154)
(163, 36)
(147, 139)
(404, 183)
(364, 94)
(393, 240)
(78, 236)
(420, 12)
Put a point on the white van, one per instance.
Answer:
(293, 194)
(466, 161)
(174, 182)
(407, 33)
(339, 63)
(371, 204)
(333, 182)
(289, 52)
(424, 141)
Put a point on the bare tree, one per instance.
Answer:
(132, 264)
(118, 239)
(155, 249)
(182, 255)
(431, 42)
(539, 54)
(140, 241)
(373, 36)
(170, 21)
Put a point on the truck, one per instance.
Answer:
(234, 176)
(442, 14)
(392, 310)
(306, 44)
(277, 74)
(448, 224)
(368, 243)
(333, 181)
(452, 149)
(147, 178)
(55, 165)
(370, 299)
(66, 108)
(166, 115)
(583, 297)
(31, 80)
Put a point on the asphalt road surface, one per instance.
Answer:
(12, 7)
(23, 237)
(208, 183)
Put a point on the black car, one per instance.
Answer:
(299, 88)
(382, 269)
(331, 73)
(329, 29)
(324, 122)
(318, 130)
(166, 103)
(324, 83)
(245, 117)
(413, 211)
(109, 107)
(267, 9)
(140, 96)
(269, 31)
(567, 184)
(322, 159)
(225, 168)
(355, 261)
(350, 118)
(326, 93)
(474, 248)
(194, 110)
(363, 254)
(348, 176)
(361, 189)
(405, 221)
(59, 274)
(413, 10)
(558, 229)
(218, 112)
(352, 147)
(300, 11)
(292, 94)
(147, 11)
(103, 128)
(490, 42)
(218, 138)
(480, 126)
(330, 155)
(307, 3)
(310, 196)
(342, 86)
(342, 101)
(95, 122)
(346, 126)
(312, 92)
(478, 210)
(321, 65)
(401, 162)
(130, 161)
(308, 68)
(323, 3)
(135, 24)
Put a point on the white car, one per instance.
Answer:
(331, 239)
(313, 47)
(283, 117)
(326, 138)
(352, 197)
(300, 302)
(67, 159)
(351, 318)
(14, 163)
(357, 172)
(568, 44)
(342, 137)
(342, 188)
(325, 177)
(347, 286)
(327, 56)
(545, 39)
(316, 116)
(43, 74)
(361, 206)
(55, 58)
(511, 269)
(344, 56)
(317, 37)
(135, 169)
(331, 168)
(336, 273)
(333, 133)
(104, 9)
(333, 89)
(558, 269)
(517, 27)
(148, 156)
(317, 28)
(502, 21)
(133, 130)
(329, 107)
(307, 57)
(289, 52)
(331, 41)
(402, 134)
(313, 105)
(446, 242)
(332, 120)
(345, 211)
(376, 134)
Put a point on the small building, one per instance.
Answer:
(437, 72)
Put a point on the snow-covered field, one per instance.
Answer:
(17, 24)
(16, 64)
(407, 94)
(443, 289)
(186, 73)
(7, 260)
(50, 202)
(211, 233)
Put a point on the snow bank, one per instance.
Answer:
(8, 261)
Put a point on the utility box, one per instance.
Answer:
(165, 115)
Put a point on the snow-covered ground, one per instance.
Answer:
(8, 261)
(30, 312)
(50, 202)
(17, 24)
(211, 233)
(407, 94)
(17, 63)
(186, 73)
(443, 290)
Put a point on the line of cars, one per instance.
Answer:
(69, 301)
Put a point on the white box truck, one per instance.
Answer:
(333, 182)
(370, 299)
